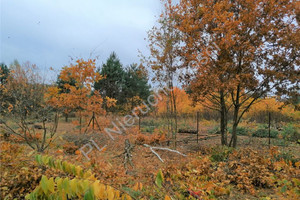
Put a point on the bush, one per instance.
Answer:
(287, 157)
(264, 133)
(70, 148)
(148, 129)
(240, 130)
(149, 122)
(214, 130)
(140, 139)
(220, 154)
(83, 186)
(290, 133)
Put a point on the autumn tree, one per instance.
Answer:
(245, 49)
(76, 93)
(163, 42)
(62, 89)
(25, 90)
(184, 104)
(278, 109)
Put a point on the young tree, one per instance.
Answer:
(62, 89)
(243, 48)
(77, 91)
(163, 42)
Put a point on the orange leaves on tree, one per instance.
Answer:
(110, 102)
(229, 48)
(83, 72)
(79, 96)
(184, 104)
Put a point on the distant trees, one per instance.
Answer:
(241, 50)
(4, 99)
(122, 84)
(280, 112)
(4, 72)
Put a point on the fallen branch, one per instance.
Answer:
(162, 148)
(156, 155)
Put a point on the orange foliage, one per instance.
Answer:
(273, 106)
(157, 137)
(184, 104)
(80, 97)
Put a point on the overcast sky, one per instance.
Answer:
(49, 32)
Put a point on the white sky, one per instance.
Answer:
(48, 32)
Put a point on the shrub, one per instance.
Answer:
(149, 122)
(215, 129)
(287, 157)
(289, 132)
(264, 133)
(83, 186)
(140, 139)
(148, 129)
(240, 130)
(220, 154)
(70, 148)
(157, 138)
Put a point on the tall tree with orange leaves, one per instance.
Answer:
(243, 48)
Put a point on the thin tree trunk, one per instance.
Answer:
(139, 122)
(66, 117)
(269, 127)
(198, 116)
(174, 113)
(168, 118)
(223, 120)
(80, 122)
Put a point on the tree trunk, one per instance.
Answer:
(223, 120)
(80, 123)
(223, 125)
(234, 136)
(237, 105)
(174, 113)
(233, 141)
(66, 117)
